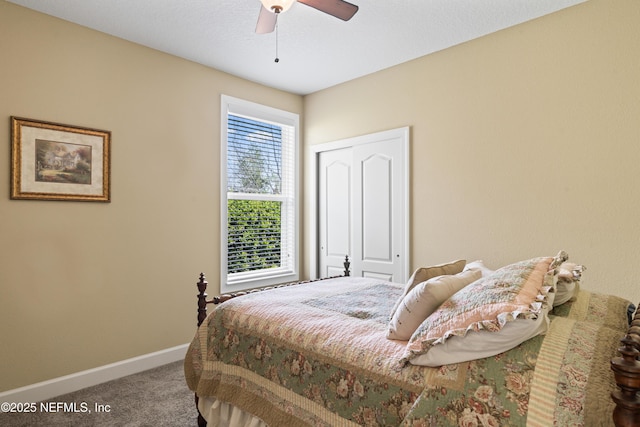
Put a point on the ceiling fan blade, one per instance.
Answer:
(338, 8)
(266, 21)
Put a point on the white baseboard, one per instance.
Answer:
(79, 380)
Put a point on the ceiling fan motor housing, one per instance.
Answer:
(277, 6)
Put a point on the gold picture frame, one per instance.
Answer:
(51, 161)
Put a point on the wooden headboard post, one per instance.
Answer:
(202, 298)
(626, 369)
(347, 264)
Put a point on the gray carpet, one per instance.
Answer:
(157, 397)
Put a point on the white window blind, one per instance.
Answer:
(260, 222)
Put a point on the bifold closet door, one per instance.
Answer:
(334, 211)
(361, 209)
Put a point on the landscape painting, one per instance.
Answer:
(63, 163)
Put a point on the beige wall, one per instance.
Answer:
(524, 142)
(87, 284)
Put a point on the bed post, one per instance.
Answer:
(202, 314)
(346, 264)
(202, 298)
(626, 369)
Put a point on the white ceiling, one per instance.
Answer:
(316, 50)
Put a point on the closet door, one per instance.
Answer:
(378, 214)
(335, 211)
(362, 206)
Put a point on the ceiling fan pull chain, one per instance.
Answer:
(277, 59)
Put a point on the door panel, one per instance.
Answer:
(379, 276)
(376, 201)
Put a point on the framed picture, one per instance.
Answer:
(52, 161)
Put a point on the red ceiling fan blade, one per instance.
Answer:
(266, 21)
(338, 8)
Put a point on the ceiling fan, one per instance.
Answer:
(272, 8)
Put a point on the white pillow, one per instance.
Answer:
(479, 344)
(568, 284)
(425, 273)
(565, 292)
(424, 299)
(478, 265)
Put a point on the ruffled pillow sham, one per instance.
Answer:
(480, 344)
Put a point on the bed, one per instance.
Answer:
(349, 351)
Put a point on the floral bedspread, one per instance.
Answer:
(316, 354)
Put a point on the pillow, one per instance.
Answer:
(425, 273)
(565, 292)
(568, 286)
(424, 299)
(479, 265)
(480, 344)
(518, 290)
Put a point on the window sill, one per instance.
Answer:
(248, 282)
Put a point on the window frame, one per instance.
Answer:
(265, 277)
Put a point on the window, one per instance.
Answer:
(259, 206)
